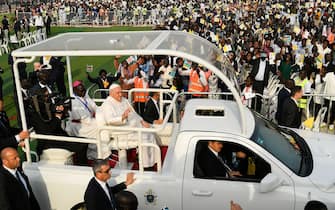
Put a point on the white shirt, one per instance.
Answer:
(323, 51)
(83, 109)
(82, 121)
(104, 187)
(214, 152)
(12, 171)
(155, 102)
(39, 21)
(45, 86)
(319, 88)
(295, 101)
(329, 80)
(167, 76)
(261, 71)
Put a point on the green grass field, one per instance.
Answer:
(78, 64)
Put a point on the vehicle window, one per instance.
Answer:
(284, 144)
(226, 160)
(210, 112)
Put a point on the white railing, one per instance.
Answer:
(28, 38)
(116, 17)
(321, 108)
(119, 130)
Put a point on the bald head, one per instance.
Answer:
(10, 158)
(7, 151)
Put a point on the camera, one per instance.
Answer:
(46, 105)
(58, 99)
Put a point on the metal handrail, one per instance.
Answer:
(162, 102)
(140, 130)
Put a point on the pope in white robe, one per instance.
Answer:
(116, 111)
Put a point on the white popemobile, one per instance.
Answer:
(286, 168)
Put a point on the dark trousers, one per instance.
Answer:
(139, 107)
(48, 29)
(258, 87)
(1, 84)
(330, 111)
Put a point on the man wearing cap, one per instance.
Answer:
(117, 111)
(82, 115)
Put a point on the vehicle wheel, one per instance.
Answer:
(312, 205)
(79, 206)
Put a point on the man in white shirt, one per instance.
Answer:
(117, 111)
(329, 90)
(166, 74)
(39, 23)
(261, 72)
(323, 50)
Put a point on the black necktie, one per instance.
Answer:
(111, 197)
(157, 106)
(224, 165)
(4, 121)
(20, 181)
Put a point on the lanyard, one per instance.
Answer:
(85, 103)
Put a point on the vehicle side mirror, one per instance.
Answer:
(269, 183)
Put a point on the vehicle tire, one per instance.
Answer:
(79, 206)
(315, 205)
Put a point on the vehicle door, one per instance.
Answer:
(216, 193)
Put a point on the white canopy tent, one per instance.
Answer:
(172, 43)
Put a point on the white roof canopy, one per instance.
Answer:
(173, 43)
(131, 43)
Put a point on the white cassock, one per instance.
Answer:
(111, 113)
(82, 118)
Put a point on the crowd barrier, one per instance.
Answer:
(117, 17)
(28, 38)
(319, 111)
